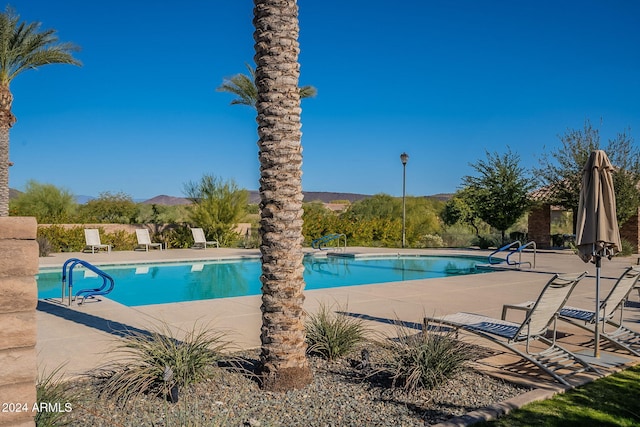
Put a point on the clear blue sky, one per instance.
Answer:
(443, 80)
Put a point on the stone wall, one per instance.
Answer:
(241, 228)
(108, 228)
(18, 299)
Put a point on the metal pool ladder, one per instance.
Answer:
(322, 241)
(519, 247)
(67, 271)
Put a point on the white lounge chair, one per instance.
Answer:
(92, 241)
(611, 329)
(144, 240)
(200, 241)
(554, 360)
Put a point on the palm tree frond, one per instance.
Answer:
(24, 46)
(308, 92)
(244, 87)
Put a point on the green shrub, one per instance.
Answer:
(332, 335)
(177, 236)
(158, 362)
(119, 240)
(487, 241)
(628, 248)
(431, 241)
(457, 236)
(63, 239)
(425, 360)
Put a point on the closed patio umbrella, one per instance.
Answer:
(597, 233)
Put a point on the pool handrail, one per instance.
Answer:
(503, 248)
(519, 252)
(102, 290)
(319, 242)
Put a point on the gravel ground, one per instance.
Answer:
(340, 395)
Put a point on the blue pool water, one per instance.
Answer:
(177, 282)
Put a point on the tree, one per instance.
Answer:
(46, 202)
(377, 206)
(499, 193)
(22, 47)
(625, 156)
(284, 364)
(243, 86)
(561, 170)
(421, 214)
(218, 206)
(110, 208)
(458, 211)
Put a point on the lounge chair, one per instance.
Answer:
(200, 241)
(144, 240)
(518, 337)
(620, 335)
(92, 241)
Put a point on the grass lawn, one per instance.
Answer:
(610, 401)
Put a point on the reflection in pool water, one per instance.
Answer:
(177, 282)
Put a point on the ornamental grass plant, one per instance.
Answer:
(159, 363)
(332, 334)
(58, 398)
(424, 360)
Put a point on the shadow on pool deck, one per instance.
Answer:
(92, 321)
(83, 336)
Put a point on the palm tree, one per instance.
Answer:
(244, 87)
(283, 356)
(22, 47)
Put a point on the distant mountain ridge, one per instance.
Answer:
(167, 201)
(254, 197)
(309, 196)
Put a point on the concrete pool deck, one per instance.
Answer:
(81, 337)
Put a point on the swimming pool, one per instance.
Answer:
(144, 284)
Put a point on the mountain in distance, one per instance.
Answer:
(443, 197)
(14, 193)
(309, 196)
(167, 201)
(254, 197)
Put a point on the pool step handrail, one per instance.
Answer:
(67, 271)
(322, 241)
(519, 252)
(506, 247)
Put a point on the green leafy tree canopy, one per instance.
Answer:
(110, 208)
(498, 193)
(218, 206)
(561, 169)
(46, 202)
(244, 88)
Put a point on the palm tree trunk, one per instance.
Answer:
(7, 120)
(283, 357)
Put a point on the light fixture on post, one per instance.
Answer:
(404, 157)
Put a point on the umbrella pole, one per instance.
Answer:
(596, 352)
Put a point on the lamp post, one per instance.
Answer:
(404, 157)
